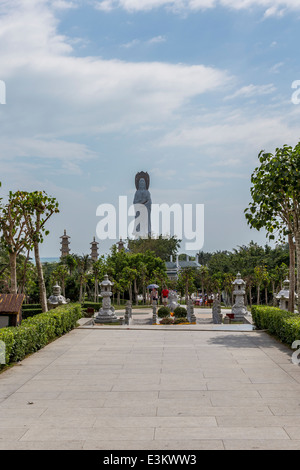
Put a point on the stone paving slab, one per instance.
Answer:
(153, 389)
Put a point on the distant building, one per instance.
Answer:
(65, 245)
(174, 267)
(94, 250)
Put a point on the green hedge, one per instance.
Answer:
(284, 325)
(31, 306)
(93, 305)
(30, 312)
(36, 332)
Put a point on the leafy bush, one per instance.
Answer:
(180, 312)
(36, 332)
(284, 325)
(163, 312)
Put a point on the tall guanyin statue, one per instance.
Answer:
(142, 196)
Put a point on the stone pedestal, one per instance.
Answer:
(106, 313)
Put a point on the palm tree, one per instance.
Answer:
(83, 266)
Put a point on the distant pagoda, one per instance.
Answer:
(94, 250)
(121, 245)
(65, 245)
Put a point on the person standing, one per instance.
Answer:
(165, 294)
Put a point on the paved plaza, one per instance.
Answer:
(153, 388)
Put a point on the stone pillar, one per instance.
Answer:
(191, 317)
(154, 312)
(128, 311)
(216, 312)
(127, 317)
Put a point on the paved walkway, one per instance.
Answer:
(150, 388)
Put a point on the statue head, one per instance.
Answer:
(142, 180)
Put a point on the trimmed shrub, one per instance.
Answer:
(31, 306)
(93, 305)
(284, 325)
(6, 335)
(30, 312)
(36, 332)
(180, 312)
(163, 312)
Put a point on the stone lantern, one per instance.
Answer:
(56, 298)
(239, 309)
(106, 313)
(283, 296)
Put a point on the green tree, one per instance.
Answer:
(83, 266)
(162, 247)
(14, 234)
(260, 277)
(275, 204)
(37, 209)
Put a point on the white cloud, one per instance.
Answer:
(276, 68)
(54, 97)
(249, 91)
(157, 40)
(271, 7)
(136, 42)
(130, 44)
(235, 131)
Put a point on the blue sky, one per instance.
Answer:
(188, 90)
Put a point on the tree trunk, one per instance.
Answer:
(80, 291)
(274, 294)
(250, 295)
(266, 295)
(297, 240)
(96, 291)
(292, 277)
(135, 292)
(186, 291)
(42, 288)
(13, 273)
(258, 295)
(22, 289)
(130, 293)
